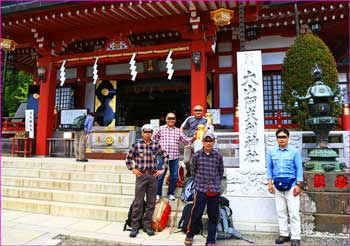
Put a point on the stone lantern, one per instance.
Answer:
(319, 98)
(324, 204)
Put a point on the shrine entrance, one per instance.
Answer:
(145, 99)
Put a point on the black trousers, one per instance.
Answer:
(200, 200)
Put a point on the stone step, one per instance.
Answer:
(122, 201)
(71, 210)
(70, 185)
(125, 177)
(79, 186)
(66, 164)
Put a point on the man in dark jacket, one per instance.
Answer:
(207, 170)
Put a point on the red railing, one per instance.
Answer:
(278, 120)
(11, 125)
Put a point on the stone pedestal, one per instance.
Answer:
(111, 142)
(325, 204)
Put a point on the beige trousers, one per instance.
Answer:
(288, 205)
(79, 145)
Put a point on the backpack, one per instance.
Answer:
(180, 177)
(188, 190)
(161, 214)
(128, 220)
(78, 122)
(185, 218)
(225, 228)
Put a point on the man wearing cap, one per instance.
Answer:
(169, 138)
(207, 170)
(190, 125)
(142, 161)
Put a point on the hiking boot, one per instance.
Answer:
(171, 197)
(133, 232)
(295, 242)
(282, 239)
(149, 231)
(188, 241)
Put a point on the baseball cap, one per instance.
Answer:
(208, 135)
(147, 127)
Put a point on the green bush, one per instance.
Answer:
(297, 73)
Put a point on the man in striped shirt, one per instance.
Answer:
(207, 170)
(169, 138)
(142, 161)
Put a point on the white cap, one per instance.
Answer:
(146, 127)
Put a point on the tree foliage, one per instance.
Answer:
(297, 72)
(15, 91)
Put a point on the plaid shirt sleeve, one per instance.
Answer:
(130, 157)
(184, 139)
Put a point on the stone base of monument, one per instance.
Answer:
(325, 204)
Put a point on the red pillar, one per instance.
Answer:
(346, 118)
(198, 76)
(45, 121)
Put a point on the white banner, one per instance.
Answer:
(251, 110)
(29, 122)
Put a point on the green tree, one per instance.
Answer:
(15, 91)
(297, 72)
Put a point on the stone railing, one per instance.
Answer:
(227, 144)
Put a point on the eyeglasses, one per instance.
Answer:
(147, 131)
(198, 110)
(282, 137)
(171, 118)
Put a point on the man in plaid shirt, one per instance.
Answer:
(142, 160)
(207, 170)
(169, 138)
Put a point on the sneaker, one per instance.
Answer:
(188, 241)
(158, 198)
(133, 232)
(149, 231)
(171, 197)
(282, 239)
(295, 242)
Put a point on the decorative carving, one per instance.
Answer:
(246, 182)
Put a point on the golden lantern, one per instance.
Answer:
(222, 16)
(8, 44)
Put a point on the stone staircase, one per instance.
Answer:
(98, 189)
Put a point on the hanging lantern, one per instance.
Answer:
(8, 44)
(222, 17)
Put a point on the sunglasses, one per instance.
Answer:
(282, 137)
(208, 141)
(171, 118)
(147, 131)
(197, 110)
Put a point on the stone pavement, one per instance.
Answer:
(23, 228)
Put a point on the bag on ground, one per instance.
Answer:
(161, 214)
(180, 177)
(128, 220)
(225, 228)
(188, 190)
(78, 122)
(185, 219)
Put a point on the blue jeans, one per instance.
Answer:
(173, 165)
(200, 200)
